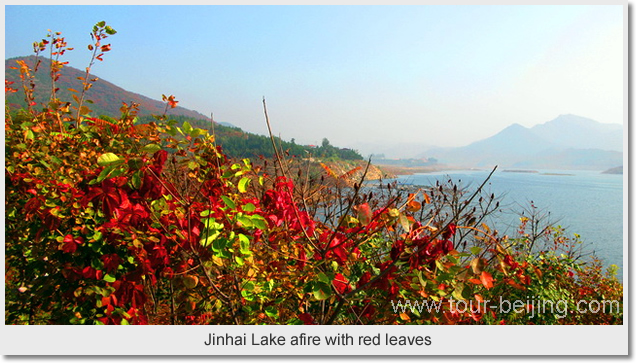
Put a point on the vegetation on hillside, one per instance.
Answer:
(113, 221)
(237, 143)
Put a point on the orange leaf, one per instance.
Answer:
(413, 206)
(427, 199)
(350, 172)
(364, 213)
(328, 170)
(515, 285)
(486, 279)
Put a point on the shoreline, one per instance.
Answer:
(410, 170)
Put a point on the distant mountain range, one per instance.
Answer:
(567, 142)
(107, 98)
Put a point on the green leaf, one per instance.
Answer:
(421, 279)
(151, 148)
(309, 287)
(243, 183)
(439, 265)
(244, 244)
(118, 171)
(103, 175)
(245, 221)
(457, 293)
(211, 224)
(249, 207)
(249, 286)
(475, 250)
(109, 278)
(45, 164)
(247, 295)
(108, 159)
(322, 277)
(271, 311)
(219, 245)
(208, 238)
(195, 132)
(135, 163)
(259, 222)
(228, 202)
(322, 291)
(186, 127)
(56, 160)
(97, 235)
(404, 222)
(136, 180)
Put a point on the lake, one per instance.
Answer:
(584, 202)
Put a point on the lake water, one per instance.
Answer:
(584, 202)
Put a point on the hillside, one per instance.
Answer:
(241, 144)
(567, 142)
(107, 97)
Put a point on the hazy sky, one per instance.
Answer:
(429, 75)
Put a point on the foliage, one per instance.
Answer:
(240, 144)
(115, 221)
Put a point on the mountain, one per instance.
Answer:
(573, 131)
(107, 98)
(567, 142)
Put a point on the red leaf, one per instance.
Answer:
(69, 247)
(302, 256)
(306, 318)
(486, 279)
(69, 244)
(341, 284)
(450, 231)
(111, 261)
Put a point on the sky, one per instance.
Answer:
(403, 77)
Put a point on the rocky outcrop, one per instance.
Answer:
(352, 171)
